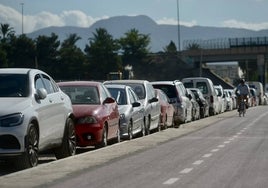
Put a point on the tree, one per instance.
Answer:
(134, 47)
(71, 60)
(6, 31)
(47, 53)
(102, 54)
(171, 48)
(22, 53)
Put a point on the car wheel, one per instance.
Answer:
(30, 157)
(147, 126)
(130, 129)
(68, 146)
(104, 140)
(142, 133)
(118, 137)
(166, 123)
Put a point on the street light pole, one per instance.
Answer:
(22, 18)
(178, 18)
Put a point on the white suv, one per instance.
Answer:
(35, 116)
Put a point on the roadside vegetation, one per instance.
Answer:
(103, 54)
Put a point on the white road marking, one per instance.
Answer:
(214, 150)
(207, 155)
(221, 146)
(171, 181)
(226, 142)
(186, 170)
(198, 162)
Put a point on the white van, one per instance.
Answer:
(259, 90)
(207, 88)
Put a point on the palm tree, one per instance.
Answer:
(6, 31)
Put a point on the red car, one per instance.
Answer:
(96, 113)
(167, 109)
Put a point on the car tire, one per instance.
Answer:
(104, 140)
(68, 146)
(147, 125)
(142, 133)
(130, 129)
(30, 157)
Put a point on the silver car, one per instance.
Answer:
(35, 116)
(145, 91)
(130, 109)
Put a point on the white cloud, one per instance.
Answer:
(44, 19)
(172, 21)
(244, 25)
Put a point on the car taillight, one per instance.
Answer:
(211, 99)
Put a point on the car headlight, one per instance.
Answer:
(11, 120)
(122, 116)
(87, 119)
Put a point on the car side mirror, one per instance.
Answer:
(109, 100)
(153, 100)
(41, 93)
(136, 104)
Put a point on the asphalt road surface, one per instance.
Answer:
(215, 152)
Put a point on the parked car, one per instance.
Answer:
(258, 86)
(228, 99)
(253, 98)
(233, 97)
(222, 101)
(147, 97)
(206, 86)
(96, 113)
(177, 95)
(167, 110)
(196, 108)
(203, 103)
(35, 116)
(130, 109)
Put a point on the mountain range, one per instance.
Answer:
(161, 35)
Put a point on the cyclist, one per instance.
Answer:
(242, 92)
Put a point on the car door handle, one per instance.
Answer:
(50, 100)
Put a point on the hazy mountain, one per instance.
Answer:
(160, 35)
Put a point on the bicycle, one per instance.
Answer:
(242, 107)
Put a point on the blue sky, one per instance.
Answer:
(248, 14)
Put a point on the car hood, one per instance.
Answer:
(13, 105)
(123, 108)
(85, 110)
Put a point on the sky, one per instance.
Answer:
(38, 14)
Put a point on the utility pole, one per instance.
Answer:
(178, 18)
(22, 18)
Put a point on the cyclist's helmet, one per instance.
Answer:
(242, 81)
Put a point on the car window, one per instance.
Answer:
(182, 88)
(38, 83)
(133, 96)
(104, 93)
(82, 94)
(169, 90)
(188, 84)
(14, 85)
(119, 95)
(138, 89)
(202, 86)
(48, 84)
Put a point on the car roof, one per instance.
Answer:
(18, 70)
(164, 82)
(126, 81)
(79, 83)
(120, 86)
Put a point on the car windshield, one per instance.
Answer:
(119, 95)
(82, 94)
(138, 89)
(14, 85)
(169, 90)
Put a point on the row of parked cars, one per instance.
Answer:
(37, 114)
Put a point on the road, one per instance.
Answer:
(219, 151)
